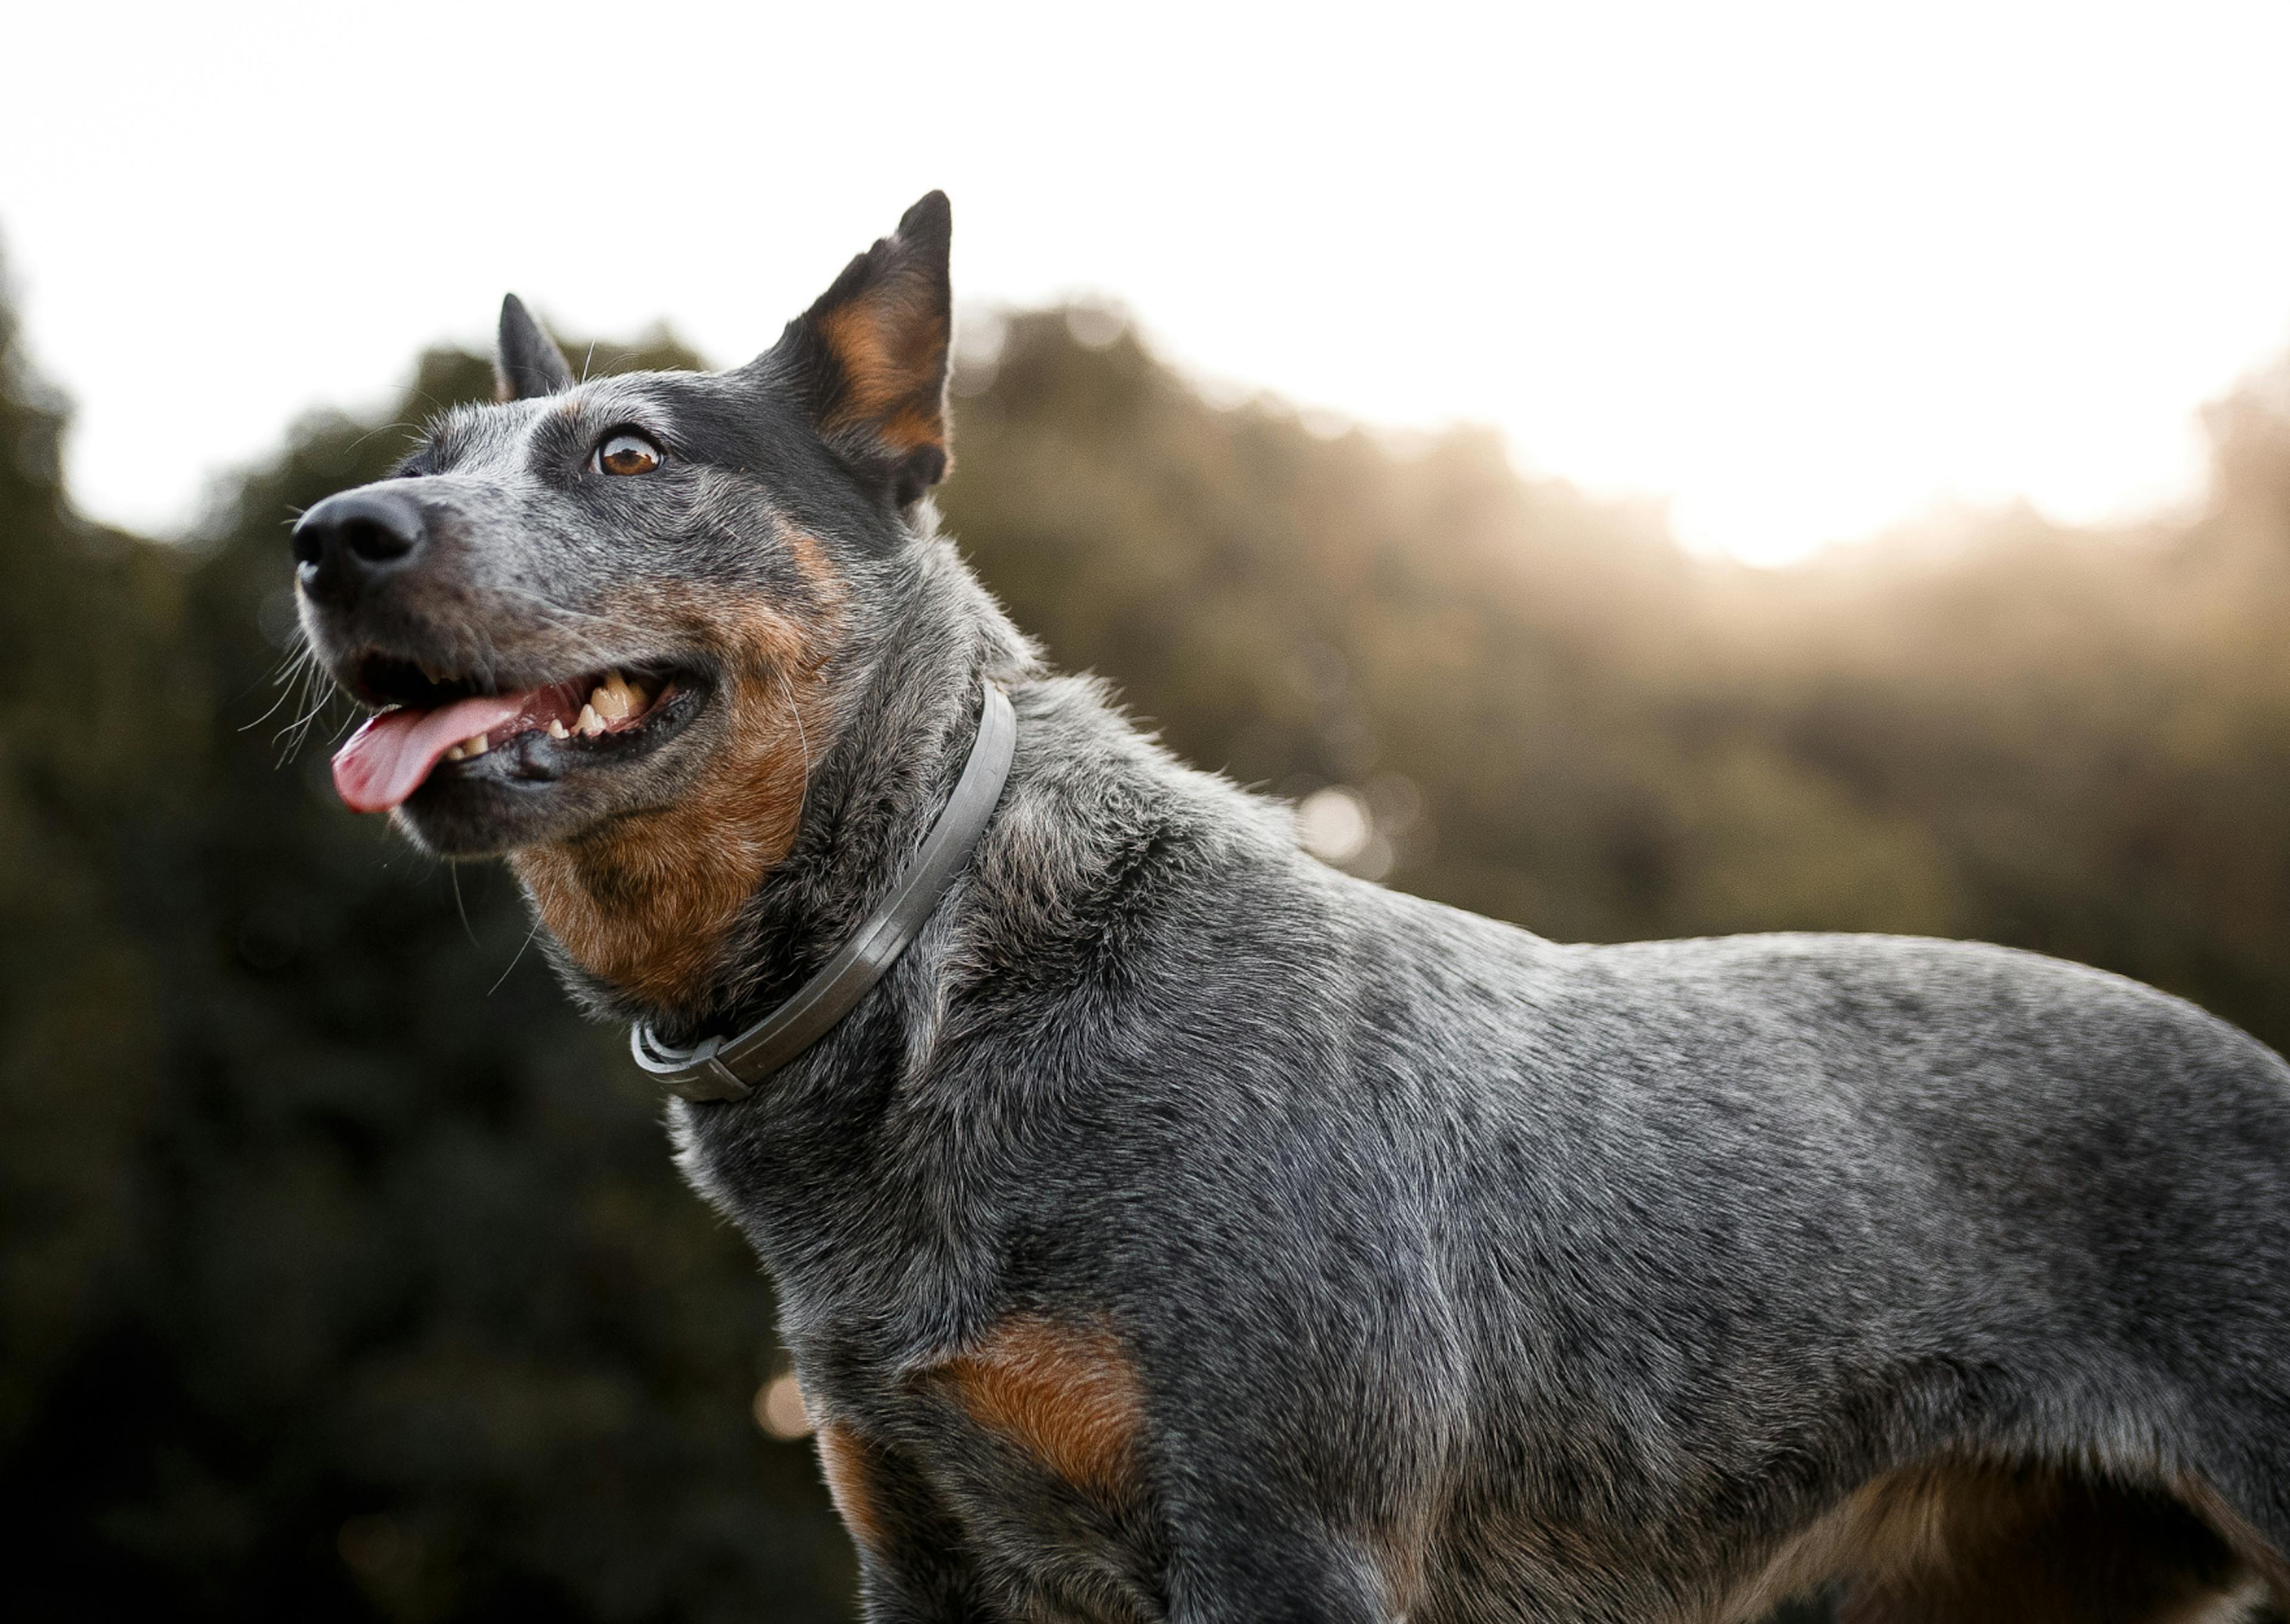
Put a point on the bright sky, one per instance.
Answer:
(1807, 270)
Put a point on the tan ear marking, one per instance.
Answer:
(1069, 1395)
(911, 429)
(893, 365)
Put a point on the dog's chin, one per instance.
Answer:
(536, 790)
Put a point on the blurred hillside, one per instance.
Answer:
(345, 1275)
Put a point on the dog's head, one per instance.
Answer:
(561, 603)
(597, 619)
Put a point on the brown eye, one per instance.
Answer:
(627, 453)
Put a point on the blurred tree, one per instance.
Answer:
(86, 727)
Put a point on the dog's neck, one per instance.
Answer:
(701, 917)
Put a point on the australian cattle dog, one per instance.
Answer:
(1169, 1227)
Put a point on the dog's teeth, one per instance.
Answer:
(558, 730)
(453, 752)
(591, 723)
(476, 744)
(611, 700)
(637, 697)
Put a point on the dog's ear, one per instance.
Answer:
(529, 365)
(870, 356)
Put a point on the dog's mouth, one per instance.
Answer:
(435, 726)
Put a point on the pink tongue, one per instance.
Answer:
(387, 759)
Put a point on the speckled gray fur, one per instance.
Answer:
(1466, 1272)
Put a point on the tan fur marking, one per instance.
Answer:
(2272, 1565)
(1889, 1527)
(911, 429)
(1399, 1558)
(846, 1460)
(889, 371)
(1069, 1395)
(646, 901)
(1952, 1540)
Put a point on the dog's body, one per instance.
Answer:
(1183, 1231)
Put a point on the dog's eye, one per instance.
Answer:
(627, 453)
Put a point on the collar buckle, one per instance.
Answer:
(697, 1074)
(720, 1081)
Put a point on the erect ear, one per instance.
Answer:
(871, 355)
(529, 365)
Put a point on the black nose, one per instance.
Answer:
(348, 542)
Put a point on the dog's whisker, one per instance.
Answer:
(295, 734)
(293, 671)
(802, 740)
(515, 959)
(302, 680)
(453, 870)
(286, 696)
(378, 430)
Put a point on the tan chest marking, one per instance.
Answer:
(846, 1460)
(647, 900)
(1069, 1395)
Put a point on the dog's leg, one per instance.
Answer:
(1241, 1563)
(2043, 1547)
(2265, 1550)
(914, 1562)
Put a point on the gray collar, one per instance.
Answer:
(728, 1067)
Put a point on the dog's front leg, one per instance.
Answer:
(915, 1566)
(914, 1588)
(1236, 1565)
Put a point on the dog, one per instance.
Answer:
(1168, 1227)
